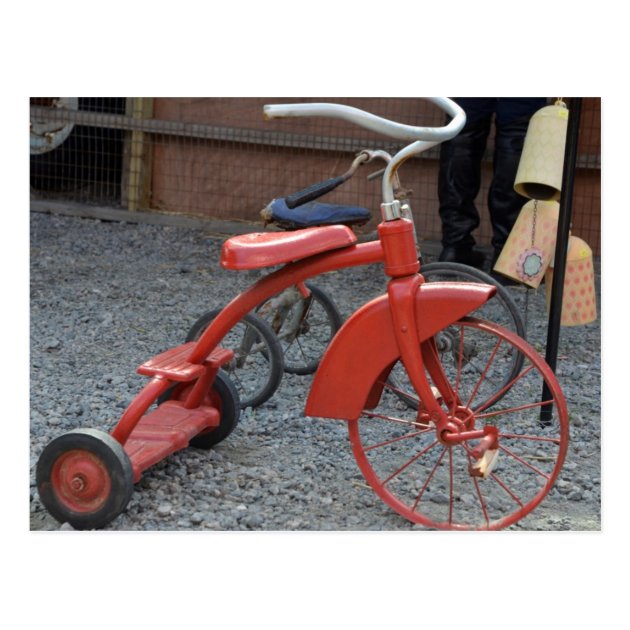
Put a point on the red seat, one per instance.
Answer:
(266, 249)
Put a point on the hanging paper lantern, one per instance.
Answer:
(530, 246)
(579, 305)
(539, 174)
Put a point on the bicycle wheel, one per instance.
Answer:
(257, 366)
(446, 485)
(500, 309)
(304, 326)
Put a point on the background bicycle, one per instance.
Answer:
(305, 318)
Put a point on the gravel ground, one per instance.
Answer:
(105, 296)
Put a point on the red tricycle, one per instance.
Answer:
(464, 448)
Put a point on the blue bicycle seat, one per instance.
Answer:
(313, 214)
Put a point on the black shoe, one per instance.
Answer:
(463, 255)
(505, 281)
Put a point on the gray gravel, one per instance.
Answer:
(105, 296)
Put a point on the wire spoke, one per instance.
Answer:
(502, 485)
(428, 480)
(497, 395)
(460, 365)
(482, 503)
(500, 412)
(411, 423)
(301, 348)
(519, 459)
(533, 438)
(397, 439)
(451, 488)
(482, 377)
(411, 461)
(396, 390)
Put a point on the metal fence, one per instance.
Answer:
(218, 158)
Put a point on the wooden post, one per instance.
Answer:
(136, 182)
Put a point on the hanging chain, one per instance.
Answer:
(534, 215)
(527, 288)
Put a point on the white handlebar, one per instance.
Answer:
(422, 138)
(376, 123)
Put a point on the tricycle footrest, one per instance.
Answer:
(174, 365)
(167, 429)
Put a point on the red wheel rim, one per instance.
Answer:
(437, 485)
(81, 481)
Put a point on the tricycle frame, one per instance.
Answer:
(405, 321)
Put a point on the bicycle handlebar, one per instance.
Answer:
(312, 192)
(375, 123)
(317, 190)
(422, 138)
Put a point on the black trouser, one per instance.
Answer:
(459, 181)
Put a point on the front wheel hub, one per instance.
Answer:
(466, 417)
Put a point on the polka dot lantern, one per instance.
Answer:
(530, 246)
(579, 305)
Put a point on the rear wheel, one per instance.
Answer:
(224, 397)
(84, 478)
(446, 485)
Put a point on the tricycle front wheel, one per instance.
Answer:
(473, 482)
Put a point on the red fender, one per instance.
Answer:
(365, 346)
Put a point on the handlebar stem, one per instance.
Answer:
(390, 176)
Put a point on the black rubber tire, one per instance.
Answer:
(506, 315)
(77, 454)
(269, 371)
(333, 323)
(230, 408)
(440, 270)
(224, 396)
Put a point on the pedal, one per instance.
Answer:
(483, 467)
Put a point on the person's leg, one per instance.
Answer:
(504, 203)
(459, 179)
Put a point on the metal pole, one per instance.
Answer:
(562, 245)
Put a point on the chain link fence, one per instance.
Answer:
(217, 158)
